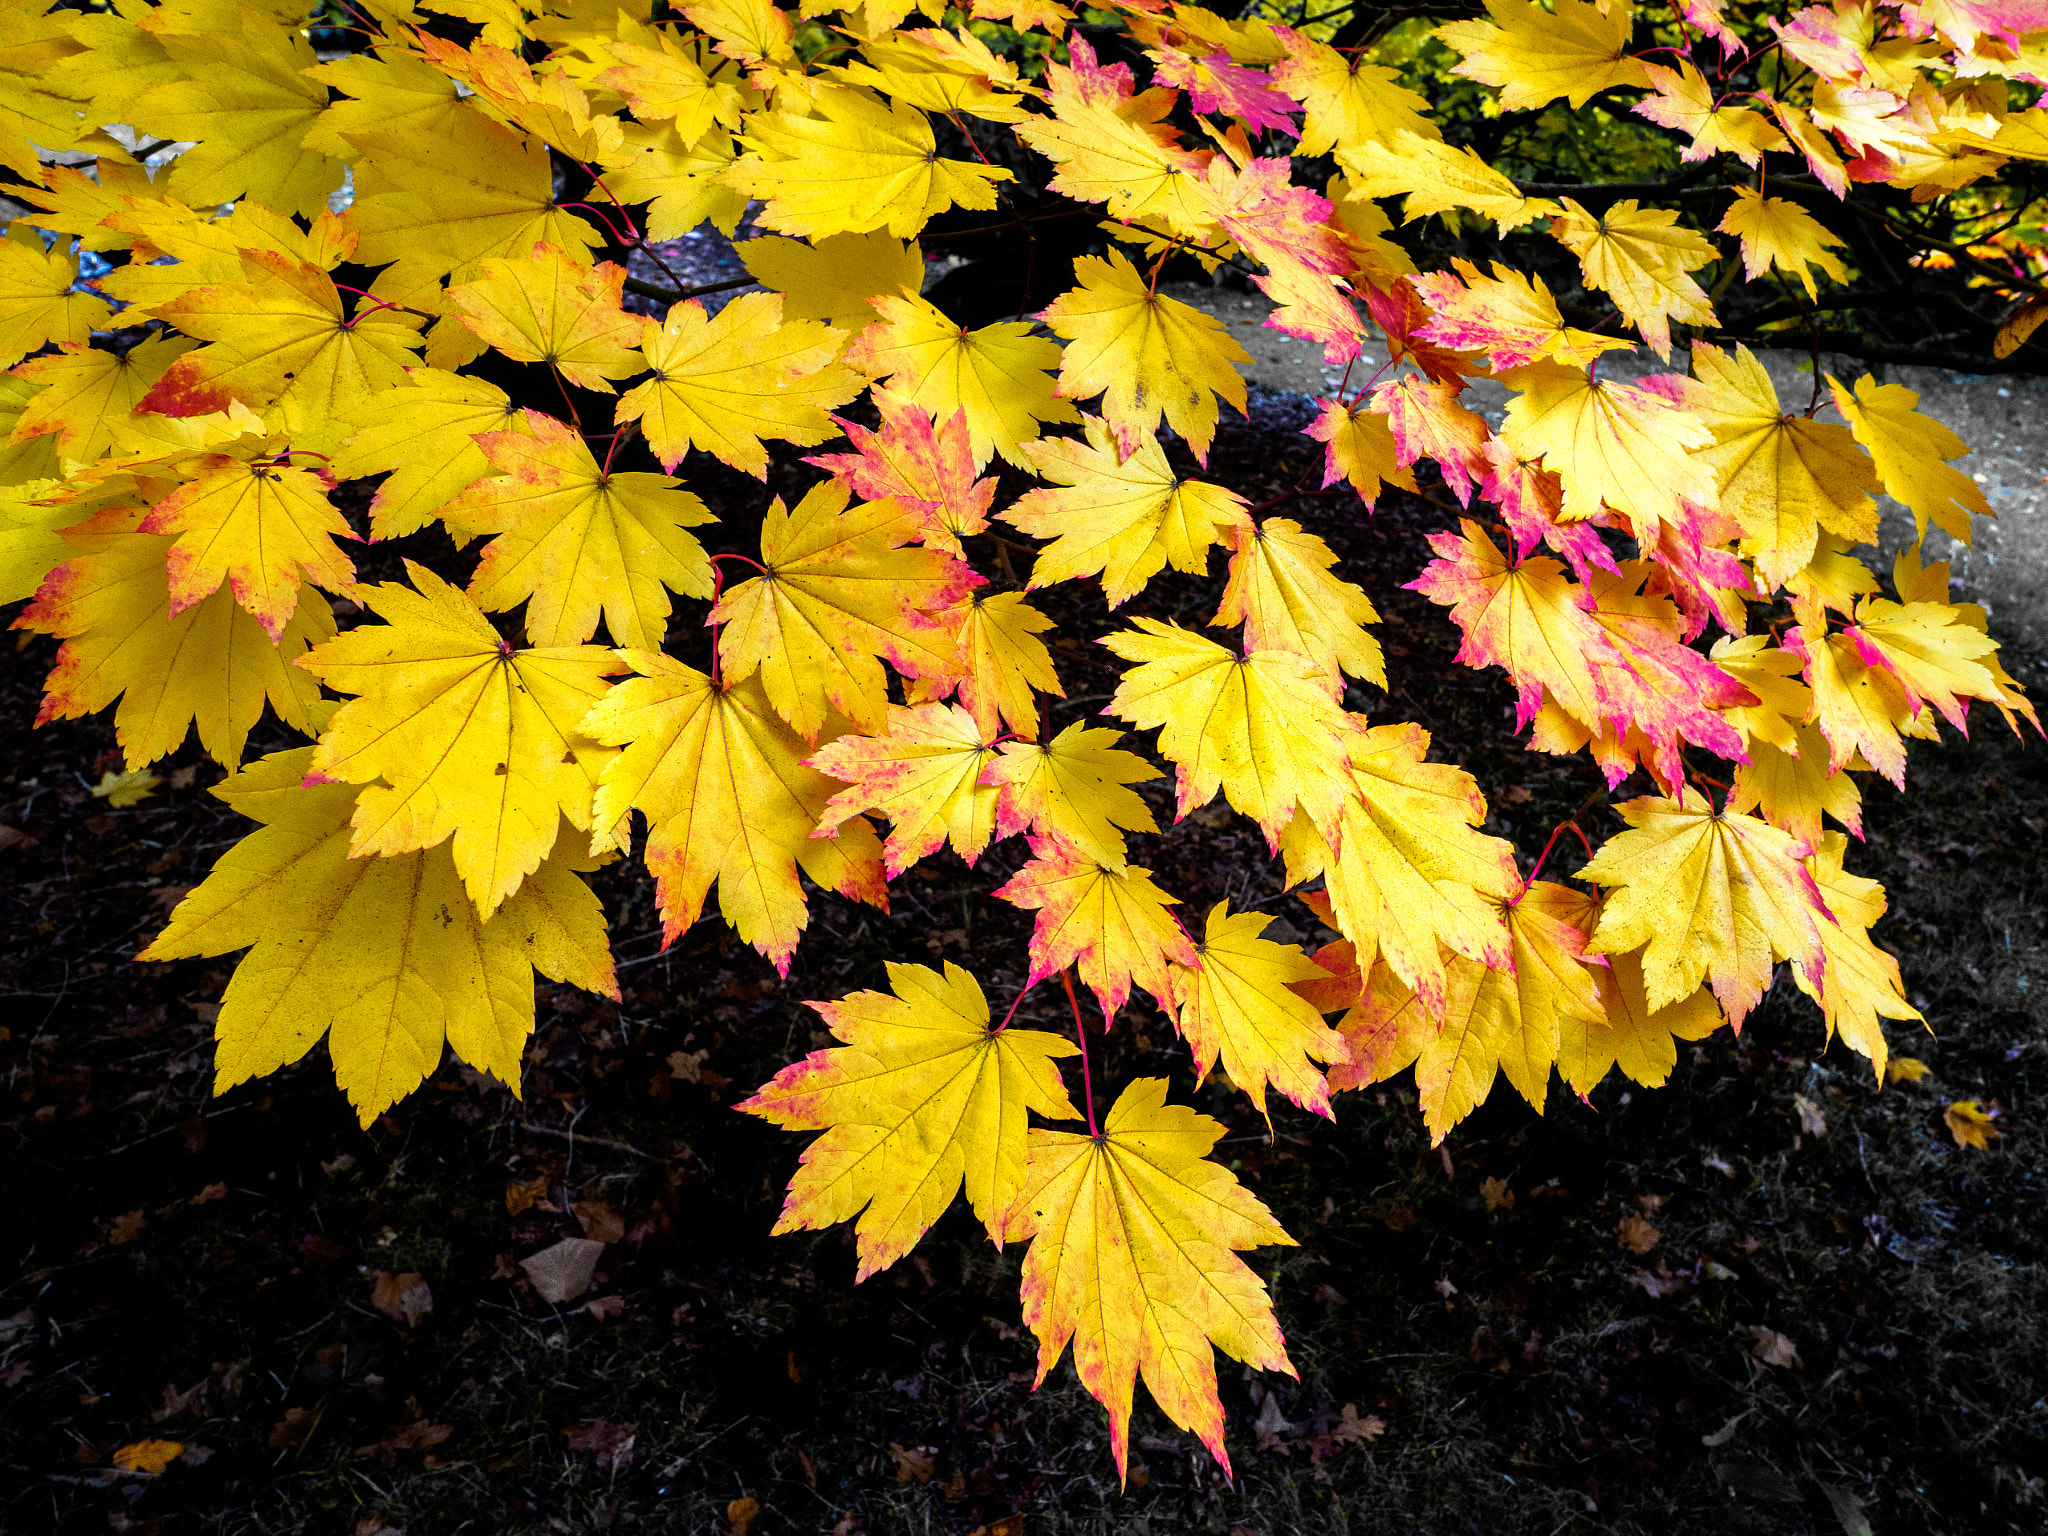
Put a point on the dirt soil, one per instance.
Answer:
(1769, 1298)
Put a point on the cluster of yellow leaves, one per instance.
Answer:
(165, 510)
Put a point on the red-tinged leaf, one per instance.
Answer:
(1401, 314)
(1114, 923)
(1428, 422)
(928, 466)
(1216, 84)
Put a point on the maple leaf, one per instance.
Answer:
(1685, 100)
(1859, 982)
(1620, 444)
(31, 537)
(261, 526)
(1002, 663)
(1639, 1038)
(833, 279)
(1149, 356)
(37, 304)
(1234, 1003)
(859, 164)
(1783, 477)
(85, 396)
(1072, 790)
(1781, 234)
(920, 1097)
(1127, 518)
(1715, 896)
(1346, 101)
(423, 438)
(1640, 258)
(1259, 726)
(1216, 83)
(1510, 316)
(550, 107)
(999, 375)
(1113, 922)
(725, 383)
(722, 783)
(1575, 50)
(1404, 867)
(1795, 787)
(208, 664)
(573, 541)
(1131, 1260)
(1911, 451)
(550, 308)
(923, 773)
(383, 957)
(1438, 177)
(927, 466)
(470, 737)
(1282, 592)
(836, 592)
(1359, 448)
(1427, 421)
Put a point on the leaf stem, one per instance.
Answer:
(1081, 1032)
(1556, 832)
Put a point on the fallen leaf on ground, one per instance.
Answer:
(563, 1272)
(121, 790)
(1905, 1069)
(918, 1463)
(1966, 1121)
(1773, 1348)
(404, 1298)
(741, 1514)
(524, 1196)
(600, 1223)
(1659, 1282)
(1496, 1194)
(150, 1456)
(1811, 1120)
(126, 1227)
(1352, 1427)
(611, 1444)
(1636, 1234)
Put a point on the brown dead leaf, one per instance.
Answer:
(917, 1464)
(740, 1516)
(1352, 1429)
(1659, 1282)
(688, 1066)
(126, 1228)
(1496, 1194)
(12, 837)
(605, 1308)
(150, 1456)
(295, 1428)
(1773, 1348)
(403, 1298)
(611, 1444)
(1272, 1425)
(1966, 1119)
(521, 1197)
(1636, 1234)
(600, 1223)
(563, 1271)
(1811, 1120)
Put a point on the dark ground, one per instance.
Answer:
(206, 1271)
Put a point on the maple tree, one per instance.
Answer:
(315, 273)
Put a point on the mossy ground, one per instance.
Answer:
(202, 1270)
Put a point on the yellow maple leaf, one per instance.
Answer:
(1125, 517)
(471, 738)
(1113, 922)
(1781, 234)
(1260, 726)
(1685, 100)
(390, 90)
(573, 541)
(208, 664)
(837, 592)
(724, 383)
(751, 31)
(1783, 477)
(1282, 592)
(924, 774)
(1794, 788)
(1437, 177)
(1609, 442)
(1640, 257)
(1911, 452)
(1968, 1123)
(1345, 101)
(121, 790)
(1000, 375)
(665, 79)
(1359, 448)
(1148, 356)
(422, 437)
(1770, 673)
(1234, 1003)
(382, 956)
(920, 1097)
(31, 536)
(1406, 869)
(1576, 50)
(833, 279)
(1860, 982)
(1002, 665)
(550, 107)
(859, 164)
(150, 1456)
(677, 178)
(37, 305)
(1132, 1261)
(85, 395)
(283, 337)
(550, 308)
(260, 525)
(721, 781)
(1072, 790)
(1642, 1040)
(1715, 897)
